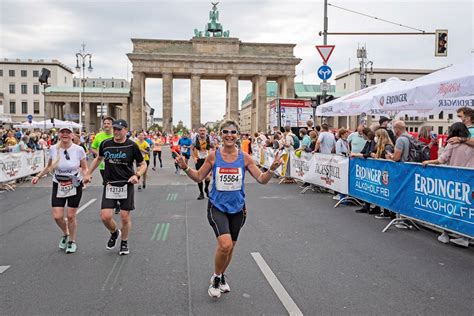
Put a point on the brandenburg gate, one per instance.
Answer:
(218, 58)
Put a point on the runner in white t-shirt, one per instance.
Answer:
(66, 161)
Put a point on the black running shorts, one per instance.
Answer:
(225, 223)
(199, 163)
(124, 204)
(72, 201)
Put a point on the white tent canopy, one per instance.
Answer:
(449, 88)
(26, 124)
(57, 124)
(358, 102)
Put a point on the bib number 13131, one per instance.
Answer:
(229, 179)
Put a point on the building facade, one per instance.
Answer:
(301, 91)
(22, 92)
(102, 82)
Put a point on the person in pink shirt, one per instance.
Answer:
(458, 155)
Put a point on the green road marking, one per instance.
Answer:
(160, 232)
(155, 232)
(158, 237)
(165, 233)
(171, 196)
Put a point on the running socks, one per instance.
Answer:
(200, 187)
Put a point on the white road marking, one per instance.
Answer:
(280, 291)
(85, 206)
(3, 269)
(110, 274)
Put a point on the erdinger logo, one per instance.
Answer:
(385, 177)
(381, 101)
(445, 88)
(396, 98)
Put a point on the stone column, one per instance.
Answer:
(168, 102)
(61, 111)
(87, 116)
(67, 109)
(232, 98)
(283, 87)
(259, 101)
(47, 110)
(124, 112)
(138, 95)
(195, 101)
(290, 88)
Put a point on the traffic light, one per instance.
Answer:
(441, 45)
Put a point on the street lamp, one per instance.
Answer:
(82, 57)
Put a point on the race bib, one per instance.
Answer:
(228, 179)
(202, 154)
(66, 189)
(183, 149)
(116, 193)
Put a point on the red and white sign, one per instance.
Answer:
(325, 51)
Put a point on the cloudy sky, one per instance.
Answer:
(55, 29)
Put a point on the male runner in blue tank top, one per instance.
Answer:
(226, 210)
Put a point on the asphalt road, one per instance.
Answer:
(328, 261)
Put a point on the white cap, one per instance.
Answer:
(66, 127)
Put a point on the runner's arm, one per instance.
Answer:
(95, 163)
(84, 168)
(201, 174)
(36, 178)
(141, 168)
(261, 177)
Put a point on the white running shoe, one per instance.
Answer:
(214, 288)
(224, 286)
(63, 242)
(444, 238)
(462, 241)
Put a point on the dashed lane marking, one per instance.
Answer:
(3, 269)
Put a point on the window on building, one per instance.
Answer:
(440, 129)
(416, 118)
(36, 73)
(450, 116)
(36, 107)
(24, 88)
(11, 88)
(74, 83)
(11, 73)
(383, 80)
(373, 81)
(93, 84)
(12, 107)
(1, 72)
(24, 107)
(431, 117)
(36, 89)
(122, 84)
(416, 129)
(24, 73)
(113, 84)
(344, 85)
(441, 115)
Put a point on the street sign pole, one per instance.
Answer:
(325, 41)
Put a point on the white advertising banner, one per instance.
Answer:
(299, 164)
(256, 154)
(329, 171)
(18, 165)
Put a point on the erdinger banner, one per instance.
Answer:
(256, 154)
(376, 181)
(443, 196)
(299, 164)
(18, 165)
(329, 171)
